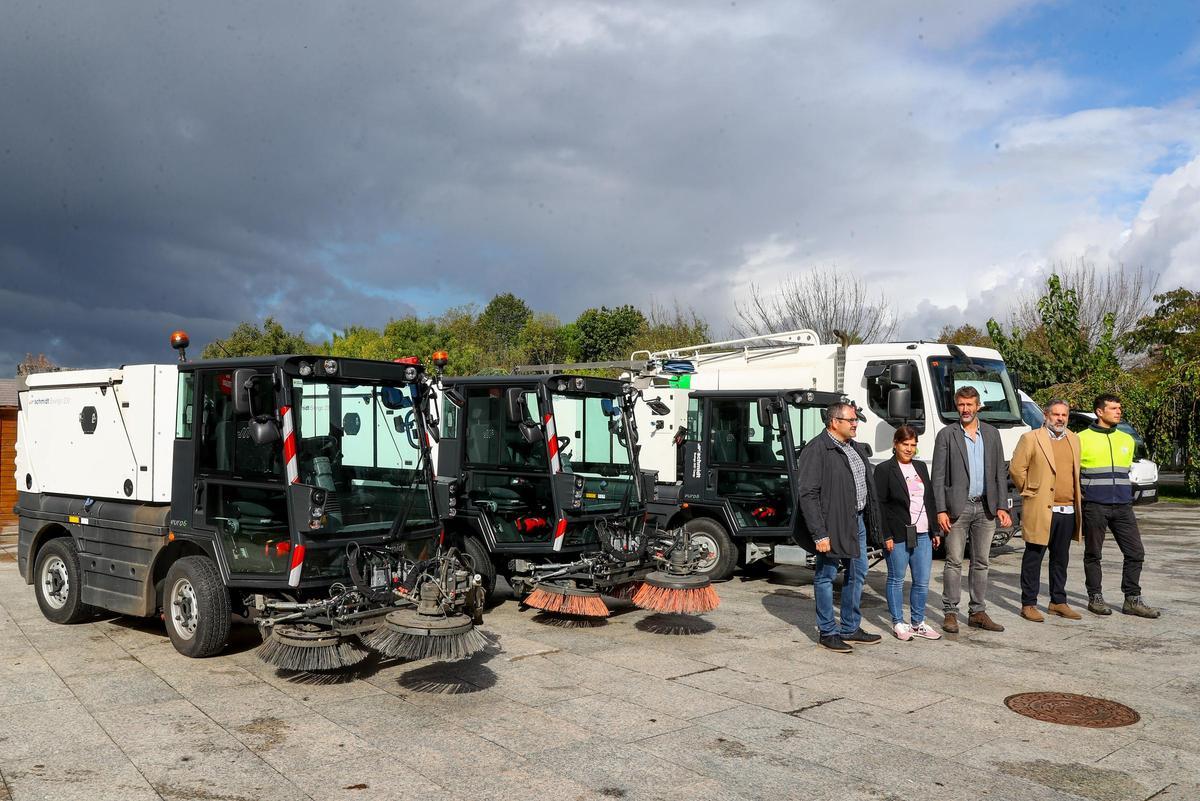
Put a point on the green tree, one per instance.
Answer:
(247, 339)
(543, 341)
(501, 321)
(1057, 354)
(607, 334)
(965, 334)
(1170, 337)
(670, 329)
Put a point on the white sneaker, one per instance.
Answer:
(923, 629)
(903, 632)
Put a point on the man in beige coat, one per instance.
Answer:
(1045, 469)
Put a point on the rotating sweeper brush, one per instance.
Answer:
(307, 647)
(677, 587)
(433, 630)
(559, 600)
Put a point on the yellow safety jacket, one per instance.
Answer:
(1105, 455)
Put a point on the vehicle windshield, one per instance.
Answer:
(988, 376)
(366, 452)
(593, 444)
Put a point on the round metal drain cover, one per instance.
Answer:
(1070, 709)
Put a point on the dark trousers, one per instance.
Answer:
(1101, 517)
(1062, 528)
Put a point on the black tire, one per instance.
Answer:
(58, 582)
(484, 566)
(713, 534)
(196, 607)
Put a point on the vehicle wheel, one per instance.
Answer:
(58, 582)
(196, 607)
(474, 548)
(722, 554)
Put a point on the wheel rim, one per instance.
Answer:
(56, 583)
(710, 544)
(185, 613)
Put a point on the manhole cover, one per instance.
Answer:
(1070, 709)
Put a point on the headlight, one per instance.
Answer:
(578, 383)
(561, 386)
(316, 512)
(317, 497)
(305, 369)
(330, 366)
(410, 374)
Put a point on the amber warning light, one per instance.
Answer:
(440, 359)
(180, 341)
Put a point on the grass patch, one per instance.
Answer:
(1178, 495)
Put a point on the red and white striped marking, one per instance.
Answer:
(552, 446)
(289, 445)
(560, 533)
(293, 477)
(297, 566)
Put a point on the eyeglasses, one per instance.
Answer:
(847, 419)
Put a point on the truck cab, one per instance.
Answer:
(539, 469)
(735, 455)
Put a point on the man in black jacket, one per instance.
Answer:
(836, 493)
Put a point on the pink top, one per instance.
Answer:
(916, 497)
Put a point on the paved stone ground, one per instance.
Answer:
(740, 705)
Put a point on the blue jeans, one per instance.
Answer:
(899, 561)
(856, 575)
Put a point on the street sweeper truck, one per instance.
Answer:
(291, 491)
(890, 383)
(545, 489)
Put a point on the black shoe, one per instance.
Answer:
(861, 637)
(834, 643)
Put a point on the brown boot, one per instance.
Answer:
(1062, 610)
(980, 620)
(1032, 614)
(950, 624)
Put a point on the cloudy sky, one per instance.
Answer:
(329, 163)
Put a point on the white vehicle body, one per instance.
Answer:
(98, 433)
(797, 360)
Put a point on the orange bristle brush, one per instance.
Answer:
(566, 601)
(688, 595)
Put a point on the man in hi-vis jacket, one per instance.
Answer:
(1106, 454)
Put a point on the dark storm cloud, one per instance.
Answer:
(338, 163)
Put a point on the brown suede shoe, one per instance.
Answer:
(950, 624)
(980, 620)
(1032, 614)
(1062, 610)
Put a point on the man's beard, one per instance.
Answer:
(1057, 430)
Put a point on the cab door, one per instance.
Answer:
(239, 491)
(748, 465)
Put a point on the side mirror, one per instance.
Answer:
(900, 373)
(242, 381)
(765, 415)
(394, 398)
(263, 430)
(518, 412)
(657, 407)
(531, 432)
(609, 407)
(899, 403)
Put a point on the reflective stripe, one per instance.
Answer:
(1106, 481)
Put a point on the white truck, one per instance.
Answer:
(891, 383)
